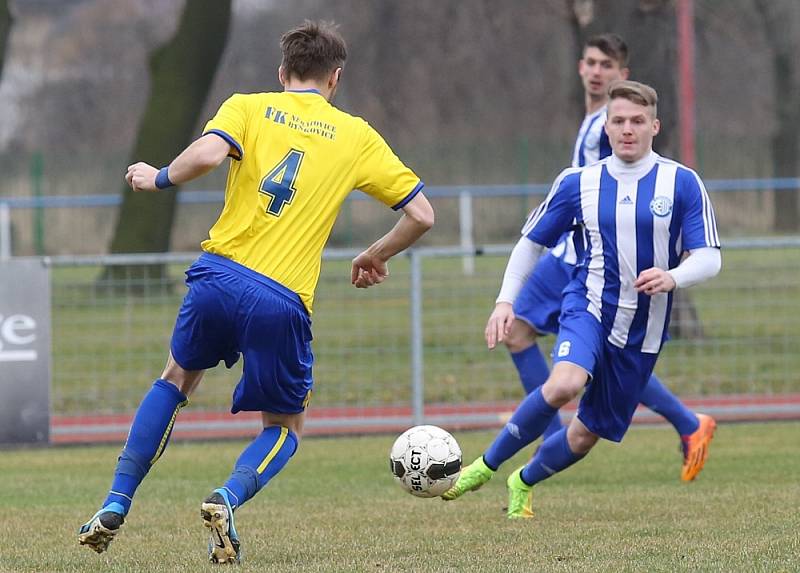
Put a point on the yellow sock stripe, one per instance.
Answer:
(164, 438)
(275, 449)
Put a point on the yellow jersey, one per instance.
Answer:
(296, 158)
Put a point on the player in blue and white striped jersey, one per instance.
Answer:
(637, 214)
(604, 60)
(538, 305)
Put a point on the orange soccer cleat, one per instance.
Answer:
(695, 447)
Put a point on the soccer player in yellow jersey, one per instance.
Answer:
(295, 158)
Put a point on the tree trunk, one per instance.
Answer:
(780, 31)
(649, 29)
(6, 20)
(181, 73)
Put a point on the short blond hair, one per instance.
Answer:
(636, 92)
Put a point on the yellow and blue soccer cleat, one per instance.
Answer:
(99, 531)
(471, 478)
(217, 514)
(695, 447)
(520, 497)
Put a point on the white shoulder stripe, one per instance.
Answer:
(709, 221)
(595, 277)
(539, 212)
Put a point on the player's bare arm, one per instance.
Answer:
(369, 268)
(199, 158)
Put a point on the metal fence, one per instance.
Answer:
(412, 349)
(466, 215)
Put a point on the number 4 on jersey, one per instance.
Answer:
(278, 184)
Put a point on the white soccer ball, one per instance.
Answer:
(425, 461)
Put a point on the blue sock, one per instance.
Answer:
(553, 427)
(147, 439)
(532, 367)
(533, 372)
(552, 456)
(527, 423)
(660, 400)
(259, 463)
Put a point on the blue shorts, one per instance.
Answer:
(231, 309)
(539, 301)
(618, 375)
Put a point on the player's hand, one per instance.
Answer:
(368, 270)
(142, 177)
(499, 324)
(654, 281)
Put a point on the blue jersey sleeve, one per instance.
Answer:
(557, 213)
(698, 223)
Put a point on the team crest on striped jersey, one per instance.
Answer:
(661, 206)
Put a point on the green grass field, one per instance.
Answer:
(335, 508)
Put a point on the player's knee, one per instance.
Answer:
(185, 380)
(293, 422)
(580, 440)
(557, 393)
(520, 337)
(565, 383)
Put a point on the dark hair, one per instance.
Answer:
(312, 50)
(612, 46)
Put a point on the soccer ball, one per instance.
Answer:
(425, 461)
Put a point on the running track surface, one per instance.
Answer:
(386, 419)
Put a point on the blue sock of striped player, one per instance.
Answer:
(533, 372)
(553, 427)
(528, 422)
(660, 400)
(552, 456)
(146, 441)
(532, 367)
(259, 463)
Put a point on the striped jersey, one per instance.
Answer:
(591, 146)
(630, 217)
